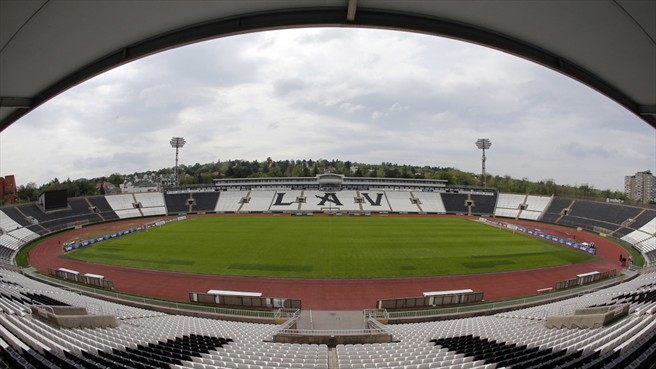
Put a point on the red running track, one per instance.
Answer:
(324, 294)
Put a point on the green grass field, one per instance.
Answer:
(329, 247)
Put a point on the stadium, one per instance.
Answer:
(327, 271)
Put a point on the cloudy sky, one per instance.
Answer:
(360, 95)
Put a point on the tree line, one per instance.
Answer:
(206, 173)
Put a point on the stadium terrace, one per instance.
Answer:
(610, 323)
(592, 312)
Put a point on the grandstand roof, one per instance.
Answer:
(50, 46)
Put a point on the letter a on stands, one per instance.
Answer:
(330, 197)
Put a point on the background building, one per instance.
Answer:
(641, 186)
(8, 189)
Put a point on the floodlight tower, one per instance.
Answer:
(483, 144)
(177, 143)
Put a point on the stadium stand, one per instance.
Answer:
(285, 200)
(632, 224)
(152, 203)
(151, 339)
(454, 203)
(78, 206)
(176, 203)
(508, 205)
(401, 201)
(41, 231)
(68, 222)
(616, 219)
(14, 286)
(646, 283)
(621, 232)
(374, 201)
(637, 236)
(610, 213)
(100, 205)
(586, 223)
(530, 215)
(327, 200)
(10, 219)
(100, 202)
(205, 201)
(23, 234)
(520, 339)
(120, 202)
(32, 211)
(644, 240)
(430, 202)
(645, 217)
(150, 199)
(230, 201)
(143, 339)
(506, 213)
(259, 201)
(123, 205)
(648, 249)
(147, 339)
(8, 224)
(483, 204)
(510, 201)
(537, 203)
(535, 206)
(78, 212)
(8, 247)
(311, 201)
(348, 199)
(153, 211)
(555, 209)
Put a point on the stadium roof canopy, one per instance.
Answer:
(50, 46)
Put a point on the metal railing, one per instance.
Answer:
(154, 303)
(375, 324)
(287, 313)
(286, 325)
(648, 269)
(292, 313)
(330, 332)
(12, 267)
(518, 303)
(375, 314)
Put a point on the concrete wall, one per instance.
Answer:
(72, 317)
(589, 318)
(333, 340)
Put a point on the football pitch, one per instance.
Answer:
(329, 247)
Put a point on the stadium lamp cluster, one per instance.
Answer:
(483, 144)
(177, 143)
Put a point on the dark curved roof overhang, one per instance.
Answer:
(46, 47)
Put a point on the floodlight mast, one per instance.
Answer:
(483, 144)
(177, 143)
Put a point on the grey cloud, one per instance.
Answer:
(334, 93)
(215, 63)
(122, 161)
(285, 87)
(326, 35)
(578, 149)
